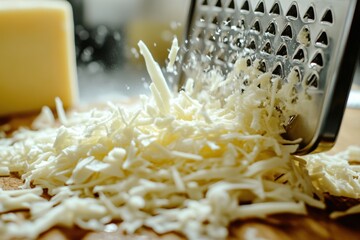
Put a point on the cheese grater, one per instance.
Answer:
(318, 39)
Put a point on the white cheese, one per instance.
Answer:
(353, 210)
(172, 55)
(157, 76)
(45, 119)
(60, 111)
(334, 174)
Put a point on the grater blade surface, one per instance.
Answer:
(316, 39)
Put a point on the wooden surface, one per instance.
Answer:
(315, 226)
(349, 132)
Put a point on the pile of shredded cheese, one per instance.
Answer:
(190, 162)
(338, 175)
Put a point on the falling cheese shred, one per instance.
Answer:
(172, 55)
(189, 162)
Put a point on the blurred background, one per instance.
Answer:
(106, 35)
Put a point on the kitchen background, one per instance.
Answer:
(107, 32)
(106, 35)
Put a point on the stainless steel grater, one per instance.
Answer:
(319, 39)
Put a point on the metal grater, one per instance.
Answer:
(319, 39)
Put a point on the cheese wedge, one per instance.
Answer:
(37, 55)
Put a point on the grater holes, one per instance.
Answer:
(211, 36)
(205, 3)
(248, 62)
(282, 50)
(266, 49)
(299, 55)
(232, 59)
(221, 57)
(241, 24)
(287, 33)
(218, 4)
(246, 81)
(322, 40)
(251, 45)
(318, 60)
(327, 17)
(231, 4)
(245, 7)
(261, 66)
(278, 70)
(312, 80)
(202, 19)
(295, 75)
(237, 42)
(256, 27)
(292, 13)
(224, 37)
(271, 29)
(209, 50)
(215, 20)
(227, 22)
(309, 15)
(199, 34)
(304, 36)
(260, 8)
(275, 9)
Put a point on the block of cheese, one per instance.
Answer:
(37, 55)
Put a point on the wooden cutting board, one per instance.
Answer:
(316, 225)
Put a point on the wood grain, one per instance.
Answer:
(316, 225)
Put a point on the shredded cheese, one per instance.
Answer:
(158, 79)
(334, 174)
(172, 55)
(191, 162)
